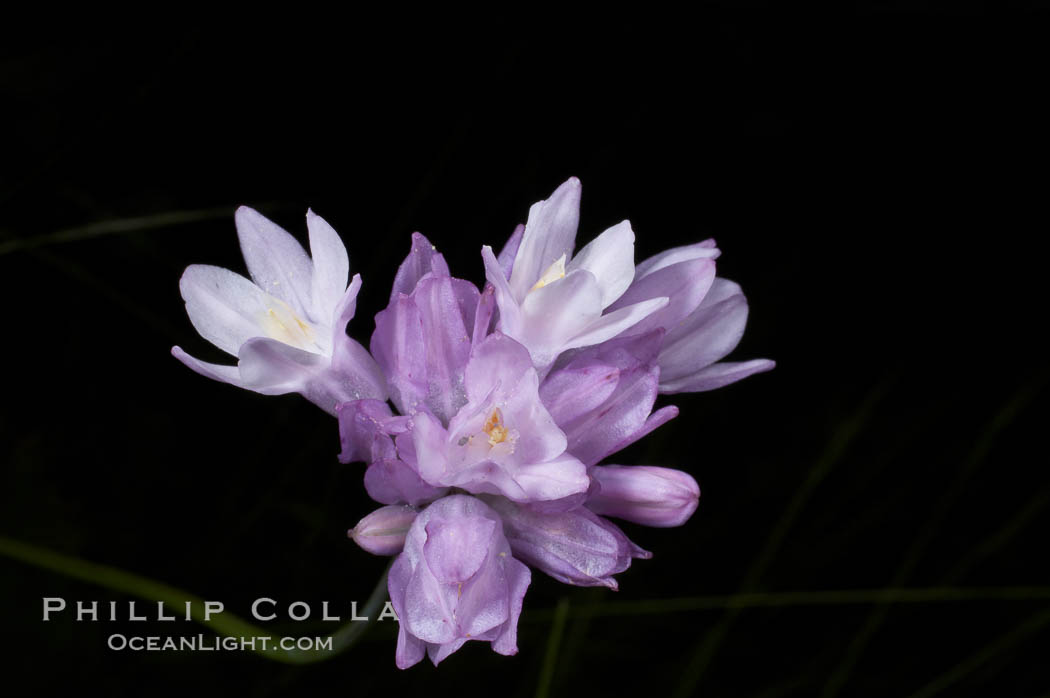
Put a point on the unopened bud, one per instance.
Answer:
(383, 531)
(645, 494)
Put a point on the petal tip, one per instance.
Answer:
(243, 212)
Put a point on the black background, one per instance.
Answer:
(876, 180)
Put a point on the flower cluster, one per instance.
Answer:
(485, 417)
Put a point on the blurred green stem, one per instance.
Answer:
(978, 659)
(550, 660)
(703, 652)
(830, 597)
(1003, 418)
(9, 243)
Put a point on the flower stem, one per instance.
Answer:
(561, 612)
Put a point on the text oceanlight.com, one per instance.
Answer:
(211, 643)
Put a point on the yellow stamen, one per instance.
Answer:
(284, 325)
(494, 427)
(273, 314)
(554, 272)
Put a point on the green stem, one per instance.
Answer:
(561, 611)
(703, 652)
(831, 597)
(119, 226)
(985, 654)
(225, 624)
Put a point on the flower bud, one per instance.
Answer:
(575, 547)
(644, 494)
(383, 531)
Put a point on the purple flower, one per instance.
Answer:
(691, 358)
(602, 396)
(513, 396)
(287, 326)
(456, 581)
(682, 274)
(553, 300)
(575, 547)
(423, 338)
(704, 319)
(502, 440)
(644, 494)
(369, 432)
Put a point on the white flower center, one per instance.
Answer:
(280, 322)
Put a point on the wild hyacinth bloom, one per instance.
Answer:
(554, 300)
(469, 400)
(456, 581)
(507, 401)
(287, 326)
(703, 321)
(422, 339)
(503, 440)
(522, 417)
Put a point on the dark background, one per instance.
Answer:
(876, 180)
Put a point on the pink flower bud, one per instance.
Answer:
(383, 531)
(645, 494)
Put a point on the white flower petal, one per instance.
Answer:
(224, 374)
(610, 257)
(550, 232)
(700, 250)
(611, 324)
(331, 266)
(345, 309)
(555, 313)
(275, 259)
(226, 308)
